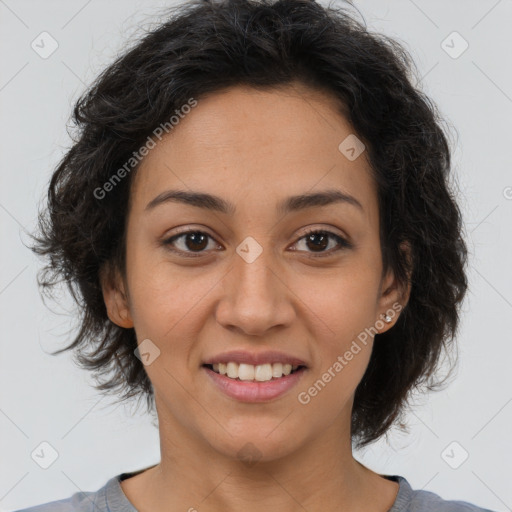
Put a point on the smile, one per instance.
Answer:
(244, 386)
(249, 372)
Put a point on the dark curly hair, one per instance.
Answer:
(202, 48)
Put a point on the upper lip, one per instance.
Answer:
(255, 358)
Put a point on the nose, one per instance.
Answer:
(255, 297)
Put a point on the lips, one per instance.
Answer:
(252, 391)
(255, 358)
(241, 385)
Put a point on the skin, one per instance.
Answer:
(254, 149)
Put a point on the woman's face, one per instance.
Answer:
(252, 281)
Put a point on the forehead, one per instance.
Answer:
(266, 144)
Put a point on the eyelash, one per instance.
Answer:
(342, 243)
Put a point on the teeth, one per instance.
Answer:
(263, 372)
(259, 373)
(246, 372)
(232, 370)
(277, 370)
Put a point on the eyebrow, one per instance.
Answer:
(290, 204)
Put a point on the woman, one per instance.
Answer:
(256, 221)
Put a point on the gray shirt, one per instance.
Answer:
(111, 498)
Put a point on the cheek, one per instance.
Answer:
(327, 393)
(344, 300)
(345, 308)
(170, 307)
(343, 349)
(161, 294)
(163, 306)
(167, 310)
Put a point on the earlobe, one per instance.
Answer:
(394, 295)
(114, 296)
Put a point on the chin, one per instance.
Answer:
(262, 442)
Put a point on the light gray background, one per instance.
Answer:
(45, 398)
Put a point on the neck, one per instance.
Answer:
(321, 476)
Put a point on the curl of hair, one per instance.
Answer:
(203, 48)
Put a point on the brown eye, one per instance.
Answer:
(196, 241)
(189, 242)
(317, 241)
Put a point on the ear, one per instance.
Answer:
(393, 295)
(115, 297)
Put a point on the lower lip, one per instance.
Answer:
(250, 391)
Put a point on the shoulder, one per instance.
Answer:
(78, 502)
(411, 500)
(107, 499)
